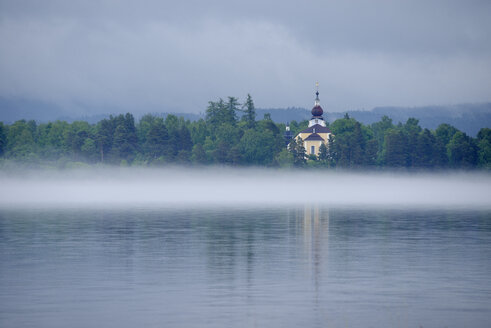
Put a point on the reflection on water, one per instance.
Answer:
(316, 234)
(272, 267)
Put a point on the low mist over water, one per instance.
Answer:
(231, 186)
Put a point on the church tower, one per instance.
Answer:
(317, 132)
(317, 110)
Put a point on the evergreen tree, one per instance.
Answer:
(199, 132)
(284, 158)
(3, 138)
(395, 145)
(268, 124)
(234, 156)
(143, 127)
(198, 154)
(484, 144)
(220, 154)
(341, 149)
(75, 137)
(172, 124)
(444, 133)
(426, 151)
(220, 112)
(371, 153)
(21, 141)
(125, 142)
(411, 129)
(233, 107)
(357, 145)
(51, 139)
(441, 158)
(250, 112)
(157, 142)
(323, 154)
(105, 136)
(257, 147)
(228, 133)
(379, 129)
(185, 142)
(293, 148)
(213, 112)
(462, 151)
(299, 154)
(89, 149)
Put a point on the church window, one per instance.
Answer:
(312, 149)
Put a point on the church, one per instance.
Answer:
(317, 132)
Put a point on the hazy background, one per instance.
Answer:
(92, 57)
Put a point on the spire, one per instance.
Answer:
(317, 101)
(317, 110)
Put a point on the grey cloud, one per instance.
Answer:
(177, 56)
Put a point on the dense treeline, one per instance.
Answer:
(230, 134)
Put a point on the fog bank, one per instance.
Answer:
(229, 187)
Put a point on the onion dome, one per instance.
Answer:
(317, 110)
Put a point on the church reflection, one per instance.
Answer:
(315, 224)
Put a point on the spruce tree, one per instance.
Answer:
(3, 138)
(484, 144)
(323, 154)
(299, 156)
(157, 140)
(250, 112)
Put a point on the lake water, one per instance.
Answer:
(245, 267)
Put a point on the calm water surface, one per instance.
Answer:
(236, 267)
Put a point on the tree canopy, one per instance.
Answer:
(230, 134)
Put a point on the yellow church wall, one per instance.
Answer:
(309, 143)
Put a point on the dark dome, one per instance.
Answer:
(317, 111)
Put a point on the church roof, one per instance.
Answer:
(318, 129)
(314, 136)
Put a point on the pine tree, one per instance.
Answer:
(250, 112)
(157, 140)
(484, 144)
(105, 136)
(185, 142)
(357, 146)
(323, 154)
(299, 156)
(395, 148)
(125, 142)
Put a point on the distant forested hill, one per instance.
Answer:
(469, 118)
(14, 109)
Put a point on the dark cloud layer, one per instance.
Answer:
(154, 55)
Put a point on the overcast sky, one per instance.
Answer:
(146, 56)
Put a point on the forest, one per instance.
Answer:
(231, 134)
